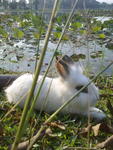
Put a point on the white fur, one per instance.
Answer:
(60, 90)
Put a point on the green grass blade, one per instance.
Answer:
(28, 101)
(38, 93)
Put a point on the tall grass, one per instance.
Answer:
(26, 114)
(40, 33)
(38, 93)
(23, 120)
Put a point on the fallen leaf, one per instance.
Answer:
(102, 127)
(106, 144)
(51, 134)
(85, 131)
(48, 131)
(96, 129)
(57, 124)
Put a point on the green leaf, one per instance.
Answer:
(82, 31)
(25, 24)
(36, 35)
(18, 33)
(65, 37)
(37, 22)
(102, 36)
(77, 25)
(59, 20)
(57, 35)
(59, 29)
(96, 28)
(3, 32)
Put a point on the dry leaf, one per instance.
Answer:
(57, 124)
(107, 143)
(102, 127)
(96, 129)
(85, 131)
(48, 131)
(51, 134)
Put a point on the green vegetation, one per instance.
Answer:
(18, 26)
(64, 131)
(30, 26)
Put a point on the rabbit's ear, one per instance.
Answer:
(67, 60)
(62, 68)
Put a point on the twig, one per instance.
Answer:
(107, 143)
(24, 145)
(81, 148)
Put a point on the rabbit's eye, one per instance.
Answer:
(81, 86)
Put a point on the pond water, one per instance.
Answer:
(102, 18)
(20, 55)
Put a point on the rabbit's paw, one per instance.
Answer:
(97, 113)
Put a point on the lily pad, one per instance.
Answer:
(10, 43)
(96, 54)
(19, 56)
(76, 57)
(110, 45)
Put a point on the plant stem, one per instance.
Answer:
(38, 93)
(40, 33)
(30, 95)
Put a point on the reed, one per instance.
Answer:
(38, 93)
(23, 120)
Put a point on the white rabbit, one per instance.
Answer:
(55, 91)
